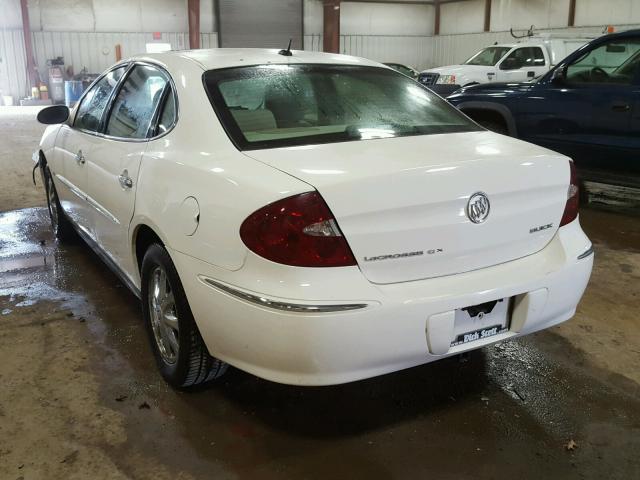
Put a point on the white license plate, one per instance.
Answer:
(480, 321)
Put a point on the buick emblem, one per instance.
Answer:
(478, 207)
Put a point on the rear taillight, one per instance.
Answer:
(573, 198)
(298, 231)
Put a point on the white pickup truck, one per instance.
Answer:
(507, 62)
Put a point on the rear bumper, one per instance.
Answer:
(401, 325)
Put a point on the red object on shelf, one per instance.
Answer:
(157, 35)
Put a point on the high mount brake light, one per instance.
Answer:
(298, 231)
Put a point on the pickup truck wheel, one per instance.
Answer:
(180, 352)
(62, 228)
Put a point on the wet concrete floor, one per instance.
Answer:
(80, 396)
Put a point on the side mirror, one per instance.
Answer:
(559, 75)
(53, 115)
(511, 63)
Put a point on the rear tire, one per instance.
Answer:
(62, 228)
(181, 355)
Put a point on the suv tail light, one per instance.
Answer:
(573, 198)
(298, 231)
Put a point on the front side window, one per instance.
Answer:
(615, 62)
(488, 57)
(538, 57)
(514, 60)
(91, 109)
(136, 103)
(282, 105)
(523, 57)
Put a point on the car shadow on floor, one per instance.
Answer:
(353, 407)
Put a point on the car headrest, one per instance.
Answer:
(254, 120)
(284, 104)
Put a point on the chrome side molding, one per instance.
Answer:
(586, 253)
(277, 304)
(83, 196)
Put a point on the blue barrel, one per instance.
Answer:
(72, 91)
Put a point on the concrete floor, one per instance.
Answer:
(80, 396)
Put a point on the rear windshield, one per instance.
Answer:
(488, 57)
(271, 106)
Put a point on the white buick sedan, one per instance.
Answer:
(310, 218)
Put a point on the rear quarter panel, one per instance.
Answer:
(197, 159)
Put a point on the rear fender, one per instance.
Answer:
(502, 110)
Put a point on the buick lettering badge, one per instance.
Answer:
(478, 207)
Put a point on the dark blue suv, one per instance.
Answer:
(587, 107)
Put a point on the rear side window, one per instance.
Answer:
(167, 114)
(136, 103)
(272, 106)
(91, 109)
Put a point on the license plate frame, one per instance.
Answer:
(473, 324)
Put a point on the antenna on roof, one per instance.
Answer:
(287, 52)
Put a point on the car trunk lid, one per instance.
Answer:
(402, 203)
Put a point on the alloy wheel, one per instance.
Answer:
(53, 203)
(164, 316)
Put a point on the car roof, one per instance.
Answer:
(216, 58)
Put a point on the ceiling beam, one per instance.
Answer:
(487, 15)
(331, 26)
(193, 7)
(572, 13)
(32, 72)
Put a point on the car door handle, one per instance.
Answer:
(80, 160)
(125, 180)
(531, 74)
(620, 107)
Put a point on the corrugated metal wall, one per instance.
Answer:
(96, 51)
(408, 50)
(428, 51)
(417, 51)
(13, 69)
(91, 50)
